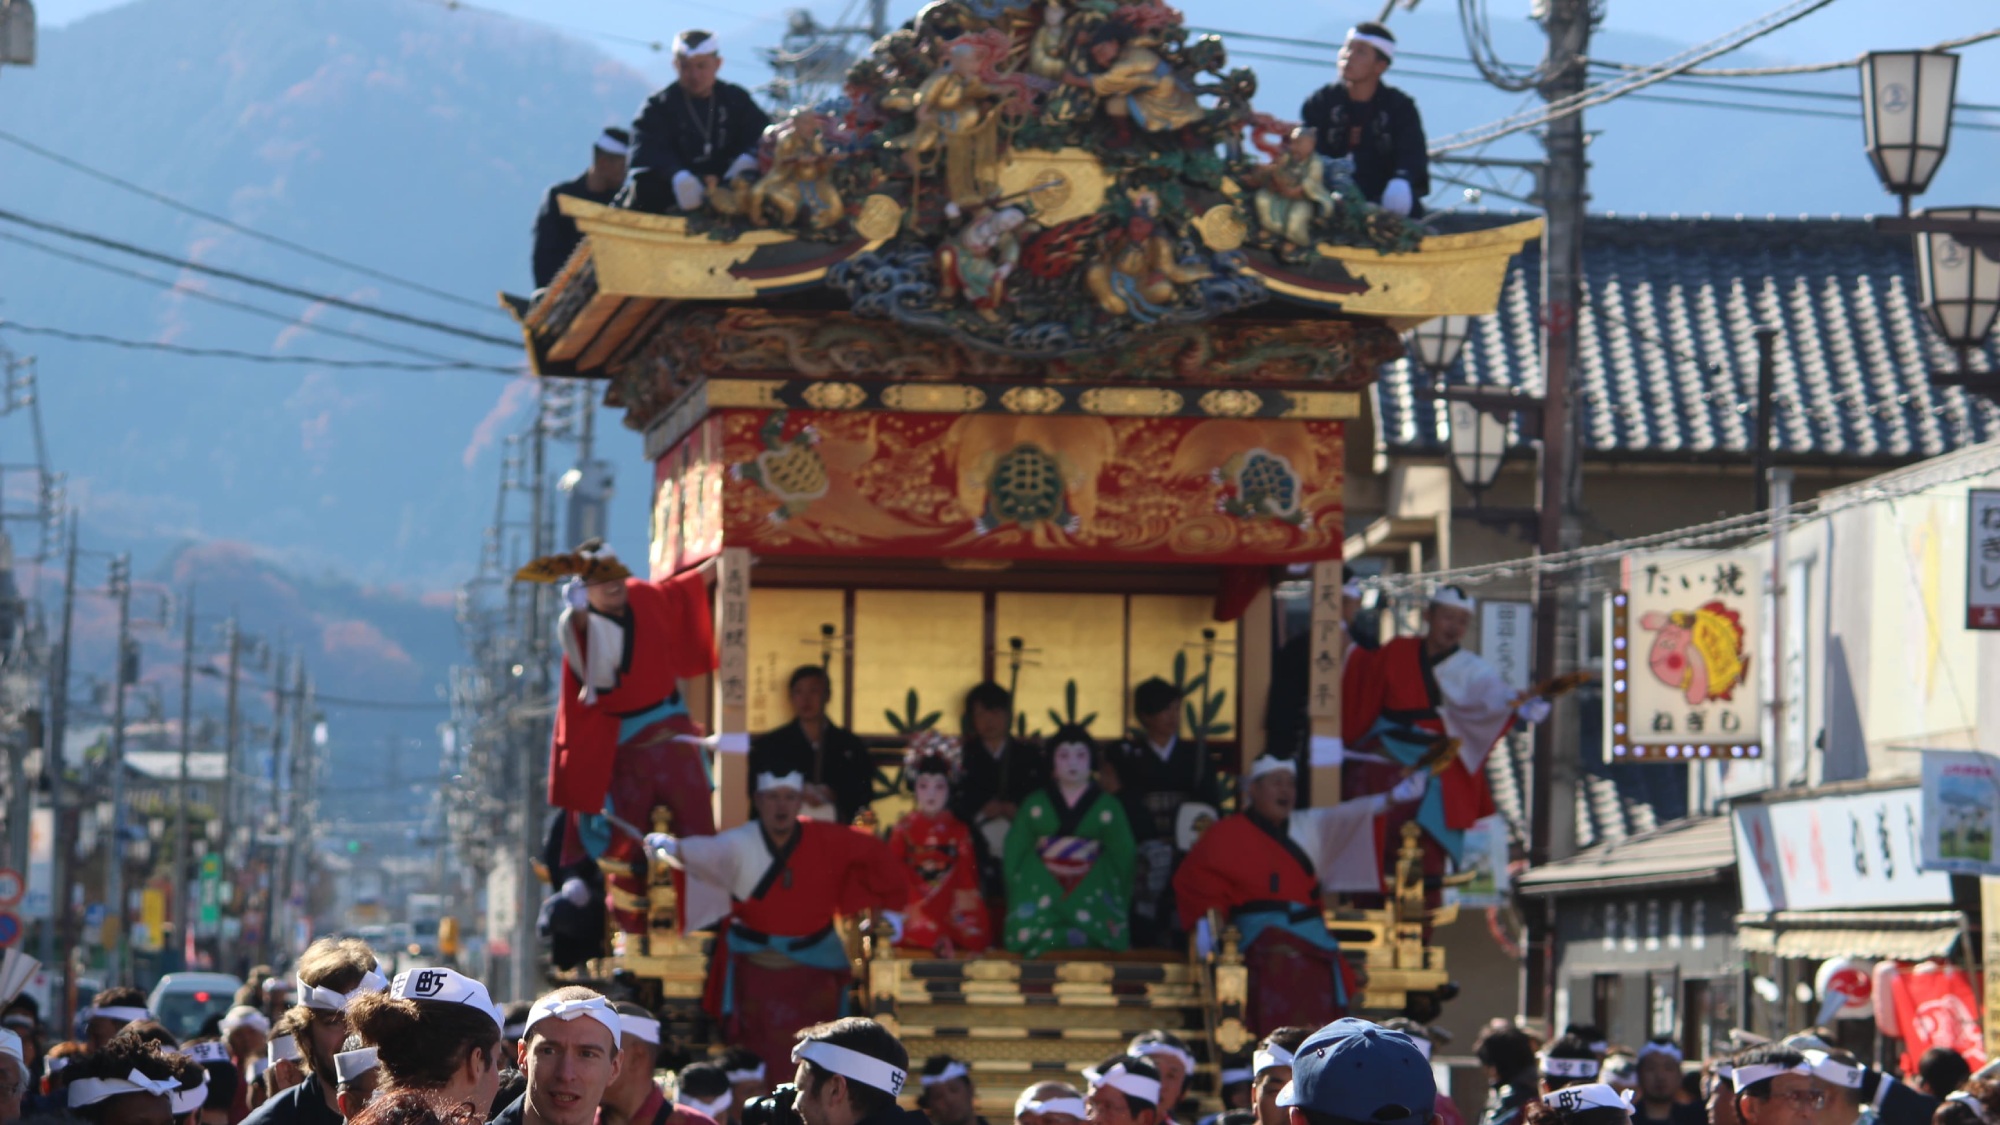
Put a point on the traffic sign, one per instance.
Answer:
(10, 929)
(12, 887)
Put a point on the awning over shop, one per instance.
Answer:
(1685, 852)
(1817, 935)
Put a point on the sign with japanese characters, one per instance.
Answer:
(1961, 811)
(1507, 640)
(1853, 851)
(1682, 657)
(1982, 560)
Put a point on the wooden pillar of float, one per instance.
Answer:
(731, 706)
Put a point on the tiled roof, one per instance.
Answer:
(1613, 802)
(1698, 849)
(1668, 360)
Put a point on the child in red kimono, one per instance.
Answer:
(946, 911)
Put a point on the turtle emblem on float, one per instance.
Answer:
(1260, 484)
(790, 469)
(1027, 488)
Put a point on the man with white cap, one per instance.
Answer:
(1124, 1090)
(624, 742)
(696, 132)
(787, 876)
(555, 233)
(945, 1092)
(570, 1056)
(1264, 869)
(13, 1076)
(1404, 700)
(850, 1072)
(1373, 123)
(1271, 1072)
(1050, 1103)
(332, 973)
(109, 1012)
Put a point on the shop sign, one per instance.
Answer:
(1982, 561)
(1682, 657)
(1845, 852)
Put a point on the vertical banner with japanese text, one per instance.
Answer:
(1507, 640)
(1682, 657)
(1982, 560)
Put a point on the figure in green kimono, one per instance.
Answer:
(1069, 859)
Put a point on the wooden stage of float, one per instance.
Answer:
(1015, 1021)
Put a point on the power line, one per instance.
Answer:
(248, 357)
(76, 165)
(241, 306)
(654, 45)
(261, 283)
(1806, 68)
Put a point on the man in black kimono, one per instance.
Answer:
(1376, 124)
(555, 233)
(694, 129)
(997, 774)
(838, 772)
(1157, 775)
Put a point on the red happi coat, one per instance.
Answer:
(1395, 681)
(673, 638)
(943, 874)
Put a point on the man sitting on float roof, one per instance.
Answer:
(788, 877)
(1263, 870)
(1376, 124)
(698, 127)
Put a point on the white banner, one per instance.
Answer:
(1855, 851)
(1507, 640)
(1961, 810)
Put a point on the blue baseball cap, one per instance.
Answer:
(1359, 1071)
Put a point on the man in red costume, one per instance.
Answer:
(1400, 699)
(1263, 871)
(624, 742)
(779, 964)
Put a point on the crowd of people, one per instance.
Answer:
(1804, 1079)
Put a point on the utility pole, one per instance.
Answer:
(533, 695)
(1761, 461)
(231, 767)
(62, 934)
(276, 805)
(183, 902)
(305, 764)
(1558, 609)
(114, 849)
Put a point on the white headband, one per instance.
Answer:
(245, 1016)
(187, 1101)
(1576, 1099)
(350, 1065)
(1748, 1076)
(953, 1069)
(327, 1000)
(1384, 45)
(714, 1109)
(865, 1069)
(1570, 1068)
(1071, 1106)
(10, 1044)
(754, 1074)
(595, 1008)
(445, 986)
(1147, 1050)
(54, 1065)
(1269, 1058)
(1968, 1101)
(90, 1091)
(606, 143)
(1651, 1048)
(1233, 1075)
(124, 1015)
(792, 780)
(1124, 1081)
(708, 46)
(210, 1052)
(1829, 1069)
(1268, 764)
(1454, 597)
(280, 1049)
(643, 1028)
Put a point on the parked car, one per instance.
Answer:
(182, 1002)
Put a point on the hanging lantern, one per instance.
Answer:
(1478, 443)
(1961, 285)
(1906, 101)
(1436, 342)
(17, 33)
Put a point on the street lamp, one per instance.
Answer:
(1906, 101)
(1478, 442)
(1437, 341)
(1961, 285)
(17, 33)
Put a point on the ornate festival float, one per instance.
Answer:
(1027, 360)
